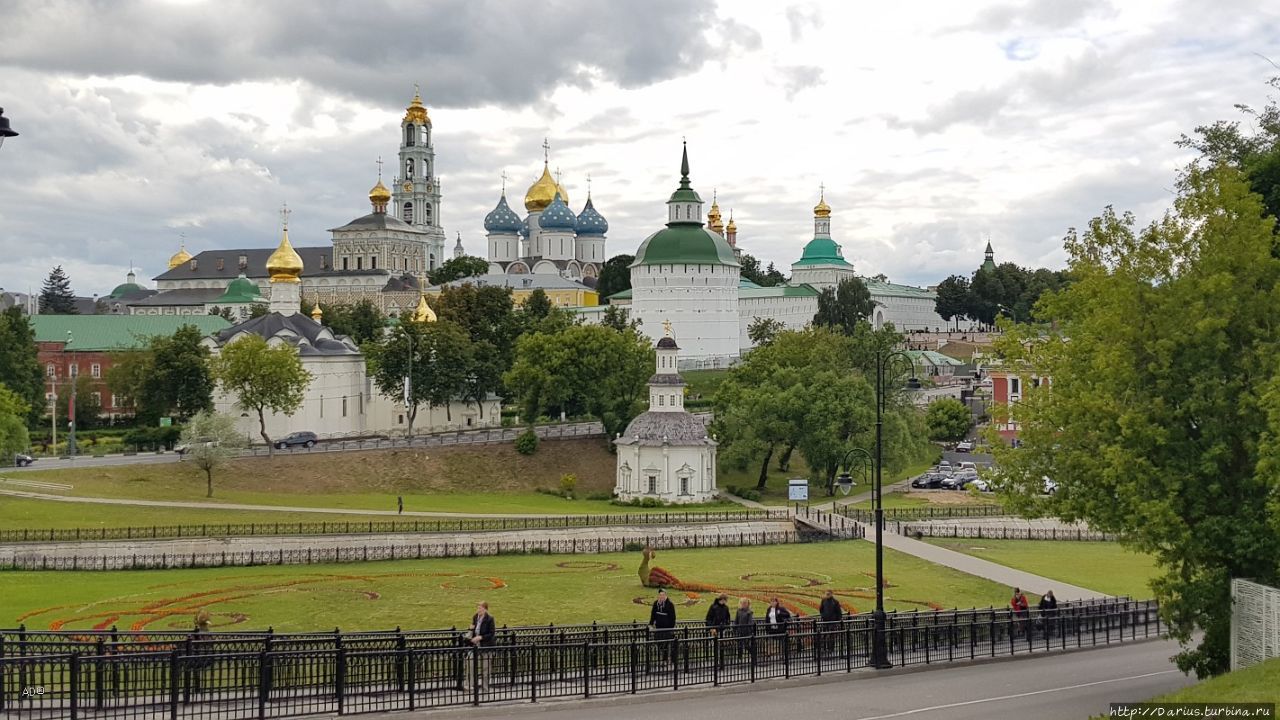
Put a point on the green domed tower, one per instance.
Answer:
(822, 264)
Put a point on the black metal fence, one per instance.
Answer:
(68, 676)
(376, 527)
(1000, 532)
(925, 512)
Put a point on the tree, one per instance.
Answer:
(179, 381)
(839, 414)
(948, 419)
(986, 294)
(619, 318)
(257, 310)
(1161, 419)
(487, 315)
(458, 268)
(842, 308)
(763, 330)
(56, 297)
(952, 299)
(19, 367)
(437, 357)
(262, 378)
(13, 428)
(536, 307)
(362, 320)
(211, 440)
(88, 411)
(226, 313)
(615, 275)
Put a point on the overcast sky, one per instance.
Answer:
(933, 125)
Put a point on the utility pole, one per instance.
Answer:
(71, 409)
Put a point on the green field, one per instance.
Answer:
(702, 384)
(532, 589)
(776, 489)
(1259, 684)
(1102, 566)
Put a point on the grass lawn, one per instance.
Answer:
(703, 382)
(532, 589)
(1260, 683)
(17, 513)
(775, 492)
(894, 500)
(1102, 566)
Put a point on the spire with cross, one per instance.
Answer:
(379, 168)
(284, 215)
(546, 150)
(588, 186)
(504, 183)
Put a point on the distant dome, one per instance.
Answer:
(543, 191)
(179, 257)
(240, 290)
(502, 219)
(128, 287)
(668, 343)
(591, 222)
(822, 251)
(558, 216)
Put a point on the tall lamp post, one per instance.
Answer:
(408, 380)
(5, 130)
(71, 410)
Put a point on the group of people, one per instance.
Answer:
(1021, 610)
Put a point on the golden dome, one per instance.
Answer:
(542, 192)
(284, 265)
(379, 194)
(822, 209)
(179, 257)
(732, 227)
(416, 112)
(316, 313)
(423, 313)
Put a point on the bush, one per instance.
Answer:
(527, 442)
(568, 483)
(632, 547)
(746, 493)
(157, 438)
(600, 496)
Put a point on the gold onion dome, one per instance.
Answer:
(423, 313)
(380, 193)
(732, 227)
(316, 312)
(284, 265)
(416, 112)
(542, 192)
(179, 257)
(822, 209)
(714, 218)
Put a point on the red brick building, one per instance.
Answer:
(1007, 389)
(70, 346)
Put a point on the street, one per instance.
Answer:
(1069, 686)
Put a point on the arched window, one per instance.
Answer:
(408, 169)
(410, 135)
(426, 213)
(407, 215)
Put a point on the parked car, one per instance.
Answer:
(982, 484)
(22, 459)
(305, 438)
(928, 481)
(944, 465)
(966, 465)
(964, 446)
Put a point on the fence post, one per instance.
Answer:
(73, 689)
(174, 672)
(99, 676)
(632, 650)
(340, 679)
(410, 684)
(586, 669)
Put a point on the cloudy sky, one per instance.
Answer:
(933, 125)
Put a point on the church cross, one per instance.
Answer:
(588, 186)
(557, 176)
(379, 168)
(504, 182)
(546, 150)
(822, 191)
(284, 215)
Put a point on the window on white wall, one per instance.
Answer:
(652, 484)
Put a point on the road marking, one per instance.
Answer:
(36, 484)
(1018, 695)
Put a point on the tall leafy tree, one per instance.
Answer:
(619, 318)
(13, 427)
(19, 367)
(1161, 420)
(262, 378)
(952, 298)
(948, 419)
(437, 357)
(362, 320)
(56, 297)
(839, 414)
(536, 307)
(179, 381)
(764, 277)
(211, 440)
(487, 315)
(845, 306)
(986, 295)
(615, 275)
(763, 330)
(459, 268)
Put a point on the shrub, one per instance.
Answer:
(746, 493)
(601, 495)
(527, 442)
(650, 502)
(632, 547)
(568, 483)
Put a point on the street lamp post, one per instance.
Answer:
(71, 410)
(408, 384)
(5, 130)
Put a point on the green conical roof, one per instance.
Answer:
(822, 251)
(684, 193)
(685, 241)
(240, 290)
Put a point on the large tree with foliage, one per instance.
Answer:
(171, 376)
(763, 330)
(488, 316)
(458, 268)
(13, 427)
(88, 409)
(438, 358)
(1162, 418)
(211, 440)
(948, 419)
(362, 320)
(845, 306)
(19, 367)
(262, 378)
(952, 299)
(764, 277)
(615, 276)
(56, 297)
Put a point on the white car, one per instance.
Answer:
(982, 485)
(964, 446)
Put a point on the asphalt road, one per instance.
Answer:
(1069, 686)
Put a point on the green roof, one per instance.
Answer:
(883, 288)
(934, 358)
(241, 290)
(687, 243)
(117, 332)
(126, 289)
(821, 251)
(778, 291)
(621, 295)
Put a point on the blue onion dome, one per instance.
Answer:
(558, 216)
(591, 222)
(524, 228)
(502, 219)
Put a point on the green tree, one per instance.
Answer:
(19, 367)
(458, 268)
(178, 380)
(952, 299)
(87, 408)
(56, 297)
(536, 307)
(362, 320)
(262, 378)
(619, 318)
(844, 307)
(487, 315)
(763, 330)
(226, 313)
(437, 357)
(615, 276)
(257, 310)
(839, 415)
(13, 427)
(211, 440)
(948, 419)
(986, 294)
(764, 277)
(1160, 423)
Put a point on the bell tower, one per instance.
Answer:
(416, 189)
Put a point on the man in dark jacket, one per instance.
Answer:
(718, 616)
(831, 613)
(1048, 611)
(662, 621)
(481, 634)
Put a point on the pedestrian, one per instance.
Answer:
(399, 504)
(744, 624)
(718, 622)
(775, 619)
(480, 634)
(1048, 612)
(1018, 605)
(831, 613)
(662, 621)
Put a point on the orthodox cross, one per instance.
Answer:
(284, 215)
(379, 168)
(822, 191)
(504, 182)
(588, 186)
(546, 151)
(666, 327)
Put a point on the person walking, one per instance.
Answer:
(744, 625)
(1048, 612)
(1018, 605)
(480, 634)
(775, 624)
(718, 622)
(399, 504)
(662, 621)
(831, 613)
